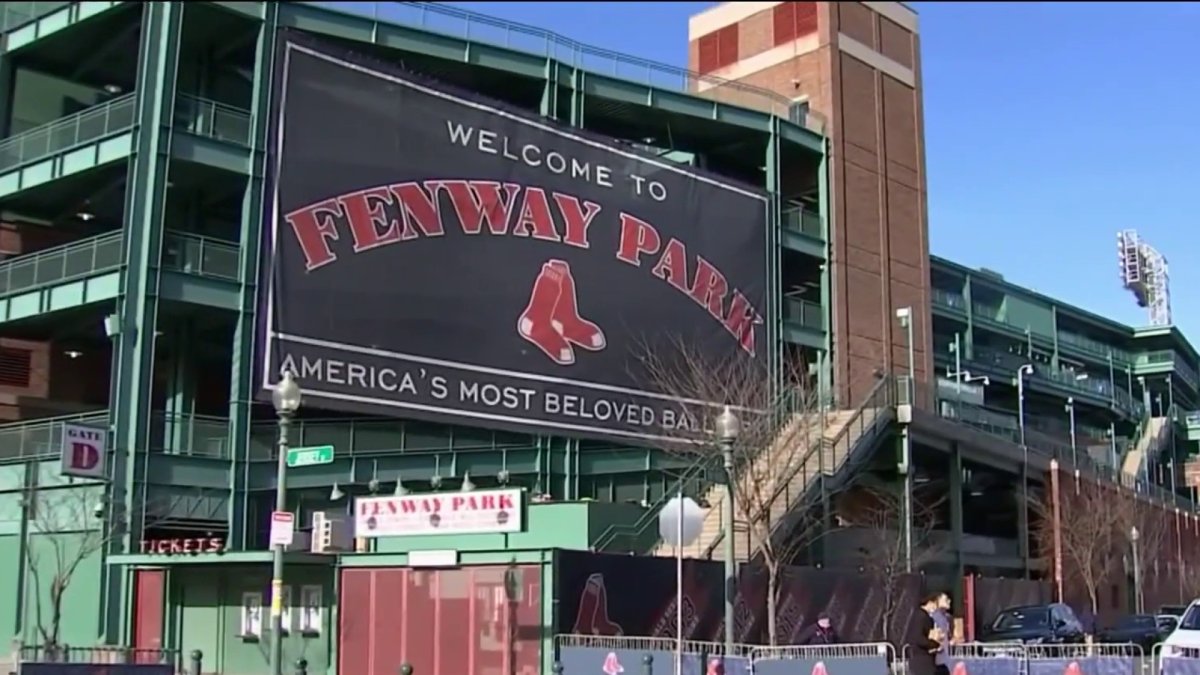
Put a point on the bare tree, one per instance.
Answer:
(68, 525)
(876, 511)
(779, 453)
(1093, 527)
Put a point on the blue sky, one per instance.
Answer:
(1049, 127)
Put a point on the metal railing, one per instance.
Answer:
(16, 14)
(204, 117)
(803, 220)
(1094, 347)
(949, 299)
(805, 313)
(67, 133)
(62, 263)
(202, 256)
(1007, 363)
(463, 24)
(1181, 366)
(190, 435)
(42, 438)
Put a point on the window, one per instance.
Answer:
(717, 49)
(1022, 618)
(1191, 620)
(15, 365)
(794, 20)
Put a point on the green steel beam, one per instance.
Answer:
(241, 393)
(774, 253)
(137, 308)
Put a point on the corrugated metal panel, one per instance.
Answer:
(476, 620)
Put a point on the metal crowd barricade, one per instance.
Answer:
(591, 654)
(986, 658)
(1084, 659)
(873, 658)
(1174, 661)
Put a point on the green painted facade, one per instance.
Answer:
(160, 141)
(150, 117)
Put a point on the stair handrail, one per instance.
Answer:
(882, 385)
(705, 461)
(650, 516)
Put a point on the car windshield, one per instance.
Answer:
(1021, 618)
(1191, 620)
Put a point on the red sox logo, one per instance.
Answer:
(960, 668)
(551, 321)
(612, 666)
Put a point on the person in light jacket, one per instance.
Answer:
(943, 620)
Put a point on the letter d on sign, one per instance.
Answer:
(83, 451)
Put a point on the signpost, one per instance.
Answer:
(310, 456)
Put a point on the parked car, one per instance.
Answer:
(1172, 610)
(1185, 639)
(1054, 623)
(1143, 630)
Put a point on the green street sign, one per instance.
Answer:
(314, 456)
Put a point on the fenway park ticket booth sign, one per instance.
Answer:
(483, 511)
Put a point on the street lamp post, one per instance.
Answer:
(1024, 371)
(728, 428)
(1074, 448)
(904, 315)
(286, 398)
(1137, 569)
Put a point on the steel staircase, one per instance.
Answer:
(811, 446)
(1149, 443)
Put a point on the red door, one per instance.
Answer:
(149, 605)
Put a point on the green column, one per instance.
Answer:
(137, 306)
(825, 383)
(774, 309)
(956, 518)
(241, 392)
(181, 392)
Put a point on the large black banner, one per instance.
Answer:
(433, 255)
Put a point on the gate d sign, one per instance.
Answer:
(83, 451)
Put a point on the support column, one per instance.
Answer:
(137, 306)
(549, 107)
(774, 309)
(179, 428)
(825, 383)
(956, 519)
(241, 393)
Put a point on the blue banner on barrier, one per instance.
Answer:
(1087, 665)
(851, 665)
(991, 665)
(1179, 665)
(599, 661)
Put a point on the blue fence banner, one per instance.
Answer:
(602, 661)
(860, 659)
(1179, 665)
(997, 658)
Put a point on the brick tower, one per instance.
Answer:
(856, 64)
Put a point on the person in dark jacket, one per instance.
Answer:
(820, 633)
(923, 639)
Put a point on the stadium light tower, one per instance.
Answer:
(1144, 273)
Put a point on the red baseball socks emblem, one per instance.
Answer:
(592, 618)
(551, 321)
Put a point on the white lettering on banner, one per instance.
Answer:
(494, 143)
(418, 385)
(83, 451)
(482, 511)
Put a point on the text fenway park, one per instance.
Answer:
(400, 273)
